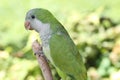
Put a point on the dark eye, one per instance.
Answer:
(32, 16)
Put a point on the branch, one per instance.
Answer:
(37, 49)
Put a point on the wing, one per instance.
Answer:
(65, 54)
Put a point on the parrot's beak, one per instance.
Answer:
(27, 25)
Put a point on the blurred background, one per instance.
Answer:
(94, 26)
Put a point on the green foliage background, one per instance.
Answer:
(94, 25)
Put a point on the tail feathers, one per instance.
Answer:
(83, 76)
(64, 76)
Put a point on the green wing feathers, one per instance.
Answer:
(66, 56)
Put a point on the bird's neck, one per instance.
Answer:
(45, 34)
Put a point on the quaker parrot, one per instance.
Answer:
(57, 45)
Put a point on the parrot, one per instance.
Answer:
(58, 46)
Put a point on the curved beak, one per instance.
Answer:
(27, 25)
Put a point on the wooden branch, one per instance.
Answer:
(37, 49)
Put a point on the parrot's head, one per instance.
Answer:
(37, 18)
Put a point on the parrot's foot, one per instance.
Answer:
(37, 49)
(38, 52)
(41, 54)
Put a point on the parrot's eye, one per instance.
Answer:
(32, 16)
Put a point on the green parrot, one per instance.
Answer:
(57, 45)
